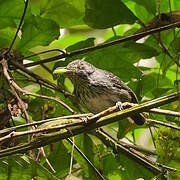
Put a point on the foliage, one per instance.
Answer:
(148, 66)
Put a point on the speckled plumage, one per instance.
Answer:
(95, 89)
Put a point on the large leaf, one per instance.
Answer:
(60, 158)
(6, 37)
(10, 12)
(23, 167)
(122, 167)
(118, 59)
(139, 9)
(154, 83)
(79, 139)
(104, 13)
(130, 169)
(90, 153)
(65, 12)
(38, 31)
(150, 5)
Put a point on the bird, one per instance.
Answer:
(96, 89)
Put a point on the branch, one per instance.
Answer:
(119, 148)
(164, 112)
(104, 45)
(135, 155)
(86, 159)
(154, 122)
(19, 27)
(11, 129)
(46, 139)
(45, 82)
(24, 92)
(22, 104)
(137, 147)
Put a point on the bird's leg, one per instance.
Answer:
(85, 119)
(119, 105)
(124, 105)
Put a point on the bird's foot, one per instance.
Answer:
(85, 119)
(119, 105)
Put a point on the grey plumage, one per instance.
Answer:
(95, 89)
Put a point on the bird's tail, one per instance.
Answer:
(139, 119)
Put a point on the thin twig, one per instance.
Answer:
(62, 125)
(54, 137)
(87, 160)
(72, 154)
(48, 98)
(13, 87)
(164, 112)
(104, 45)
(47, 160)
(47, 69)
(24, 92)
(77, 122)
(19, 27)
(8, 130)
(138, 148)
(117, 148)
(155, 122)
(153, 140)
(39, 53)
(45, 82)
(135, 153)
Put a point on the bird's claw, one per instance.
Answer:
(85, 119)
(119, 105)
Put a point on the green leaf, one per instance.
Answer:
(123, 125)
(38, 31)
(66, 13)
(154, 83)
(130, 169)
(6, 37)
(23, 167)
(139, 9)
(79, 141)
(60, 157)
(150, 5)
(118, 59)
(167, 144)
(10, 12)
(81, 44)
(90, 153)
(69, 85)
(103, 14)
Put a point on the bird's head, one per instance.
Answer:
(79, 69)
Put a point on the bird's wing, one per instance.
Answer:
(120, 84)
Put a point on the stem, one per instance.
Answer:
(54, 137)
(19, 27)
(104, 45)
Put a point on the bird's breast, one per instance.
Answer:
(96, 103)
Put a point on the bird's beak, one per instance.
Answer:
(61, 70)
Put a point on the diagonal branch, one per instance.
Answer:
(45, 139)
(16, 93)
(86, 159)
(119, 148)
(45, 82)
(153, 122)
(104, 45)
(19, 27)
(164, 112)
(18, 89)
